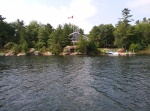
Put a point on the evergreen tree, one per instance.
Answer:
(6, 32)
(32, 34)
(122, 31)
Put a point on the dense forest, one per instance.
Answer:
(19, 38)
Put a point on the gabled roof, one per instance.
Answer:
(75, 36)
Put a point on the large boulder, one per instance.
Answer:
(10, 53)
(75, 53)
(65, 53)
(31, 50)
(47, 53)
(69, 49)
(36, 53)
(21, 54)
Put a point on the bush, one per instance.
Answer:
(40, 45)
(82, 45)
(9, 45)
(24, 46)
(17, 48)
(43, 49)
(135, 47)
(56, 49)
(92, 48)
(148, 46)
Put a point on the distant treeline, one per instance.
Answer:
(19, 38)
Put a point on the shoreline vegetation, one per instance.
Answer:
(101, 51)
(18, 39)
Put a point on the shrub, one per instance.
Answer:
(82, 45)
(56, 49)
(16, 48)
(40, 45)
(9, 45)
(24, 46)
(43, 49)
(92, 48)
(135, 47)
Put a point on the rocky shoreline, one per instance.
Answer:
(36, 53)
(33, 52)
(68, 50)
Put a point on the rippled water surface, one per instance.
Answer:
(75, 83)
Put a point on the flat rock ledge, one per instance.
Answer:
(47, 53)
(21, 54)
(9, 53)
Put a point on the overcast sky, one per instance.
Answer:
(87, 13)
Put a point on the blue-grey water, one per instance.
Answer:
(75, 83)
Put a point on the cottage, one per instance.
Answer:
(75, 36)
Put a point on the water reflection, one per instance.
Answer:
(75, 83)
(3, 66)
(79, 91)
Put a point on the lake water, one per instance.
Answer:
(75, 83)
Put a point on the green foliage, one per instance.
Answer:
(82, 45)
(43, 49)
(126, 16)
(123, 31)
(43, 35)
(135, 47)
(18, 37)
(120, 35)
(24, 46)
(55, 41)
(102, 35)
(138, 47)
(142, 33)
(6, 33)
(92, 48)
(106, 35)
(40, 45)
(32, 34)
(132, 46)
(17, 48)
(59, 38)
(95, 36)
(86, 47)
(19, 28)
(2, 18)
(56, 49)
(9, 45)
(65, 39)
